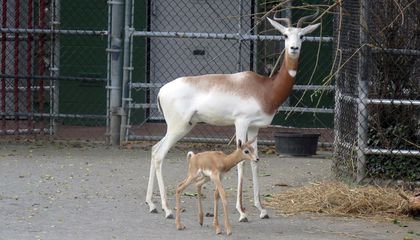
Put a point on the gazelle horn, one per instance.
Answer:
(310, 17)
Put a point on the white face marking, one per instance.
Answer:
(293, 41)
(292, 73)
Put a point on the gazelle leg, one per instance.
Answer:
(239, 198)
(241, 131)
(159, 152)
(253, 132)
(152, 174)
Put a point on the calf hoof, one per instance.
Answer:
(218, 230)
(180, 227)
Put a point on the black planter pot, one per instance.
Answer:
(296, 144)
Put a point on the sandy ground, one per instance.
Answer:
(90, 191)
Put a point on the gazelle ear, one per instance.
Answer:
(239, 145)
(310, 28)
(277, 26)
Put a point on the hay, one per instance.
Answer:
(339, 199)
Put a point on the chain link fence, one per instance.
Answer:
(377, 116)
(70, 68)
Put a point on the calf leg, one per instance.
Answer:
(181, 187)
(216, 224)
(221, 190)
(199, 184)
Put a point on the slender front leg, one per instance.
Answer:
(253, 132)
(239, 197)
(241, 128)
(228, 227)
(257, 202)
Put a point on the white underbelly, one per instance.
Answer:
(224, 111)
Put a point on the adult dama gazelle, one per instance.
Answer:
(211, 165)
(246, 100)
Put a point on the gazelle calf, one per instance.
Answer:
(246, 100)
(211, 165)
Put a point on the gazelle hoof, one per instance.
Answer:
(264, 214)
(169, 215)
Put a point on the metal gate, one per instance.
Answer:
(27, 65)
(52, 60)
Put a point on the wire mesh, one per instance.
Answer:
(389, 103)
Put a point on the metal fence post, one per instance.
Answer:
(55, 65)
(127, 66)
(115, 70)
(362, 114)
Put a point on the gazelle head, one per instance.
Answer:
(294, 35)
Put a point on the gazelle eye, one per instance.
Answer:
(246, 152)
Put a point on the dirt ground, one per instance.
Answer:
(90, 191)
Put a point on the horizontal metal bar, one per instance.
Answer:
(295, 87)
(24, 89)
(142, 105)
(391, 152)
(55, 31)
(57, 78)
(51, 115)
(23, 131)
(397, 51)
(225, 36)
(115, 2)
(393, 102)
(306, 109)
(406, 102)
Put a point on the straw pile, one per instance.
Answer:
(339, 199)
